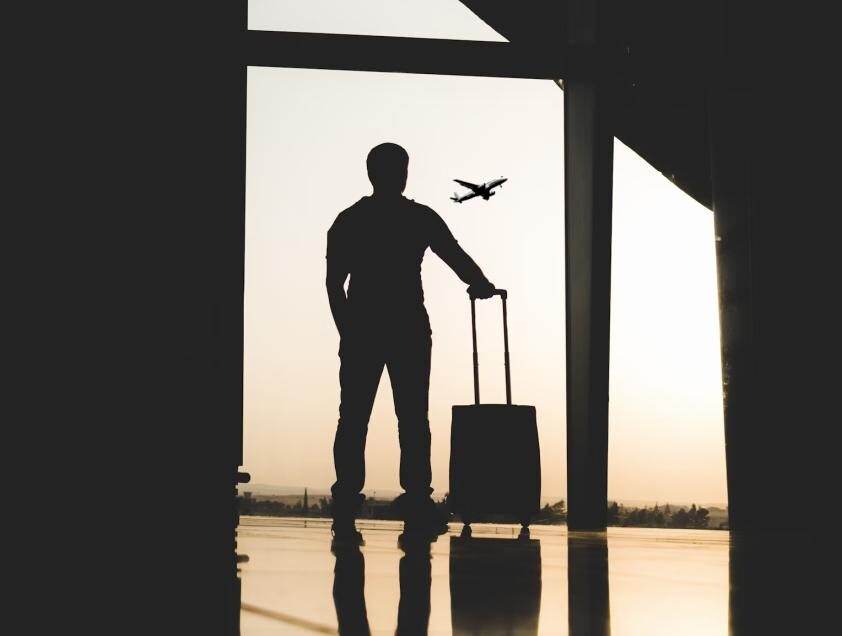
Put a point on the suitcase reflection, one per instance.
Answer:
(495, 586)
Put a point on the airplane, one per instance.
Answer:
(484, 190)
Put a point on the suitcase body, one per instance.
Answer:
(495, 461)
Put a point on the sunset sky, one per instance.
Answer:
(308, 135)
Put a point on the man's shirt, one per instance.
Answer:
(381, 243)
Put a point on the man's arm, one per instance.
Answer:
(337, 272)
(444, 244)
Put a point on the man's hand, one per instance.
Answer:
(482, 290)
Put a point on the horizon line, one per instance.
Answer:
(326, 490)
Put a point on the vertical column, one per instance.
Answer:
(776, 297)
(775, 193)
(748, 401)
(775, 196)
(213, 219)
(588, 177)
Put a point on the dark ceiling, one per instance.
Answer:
(662, 115)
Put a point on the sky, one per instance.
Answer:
(308, 135)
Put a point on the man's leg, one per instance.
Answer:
(409, 373)
(359, 376)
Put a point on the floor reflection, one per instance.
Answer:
(495, 586)
(587, 584)
(782, 583)
(349, 592)
(659, 582)
(415, 578)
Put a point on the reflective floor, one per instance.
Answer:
(625, 581)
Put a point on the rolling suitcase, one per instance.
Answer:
(495, 462)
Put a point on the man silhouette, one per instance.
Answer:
(380, 242)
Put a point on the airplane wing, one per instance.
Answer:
(467, 184)
(465, 197)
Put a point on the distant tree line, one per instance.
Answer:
(551, 514)
(269, 508)
(371, 508)
(657, 516)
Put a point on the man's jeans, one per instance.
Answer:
(407, 359)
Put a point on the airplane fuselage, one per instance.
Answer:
(484, 190)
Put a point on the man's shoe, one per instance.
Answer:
(421, 514)
(428, 525)
(345, 535)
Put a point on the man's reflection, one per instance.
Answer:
(495, 585)
(349, 591)
(587, 584)
(415, 579)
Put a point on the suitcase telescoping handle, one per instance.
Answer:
(503, 295)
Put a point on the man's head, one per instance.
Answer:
(387, 168)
